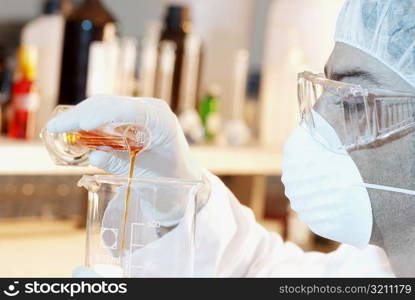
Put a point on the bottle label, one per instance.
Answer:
(109, 33)
(28, 102)
(213, 123)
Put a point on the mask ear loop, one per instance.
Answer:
(389, 189)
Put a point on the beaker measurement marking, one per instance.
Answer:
(111, 231)
(135, 232)
(133, 247)
(154, 224)
(138, 224)
(103, 258)
(137, 270)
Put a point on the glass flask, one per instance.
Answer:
(155, 239)
(73, 148)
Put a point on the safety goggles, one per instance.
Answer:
(360, 117)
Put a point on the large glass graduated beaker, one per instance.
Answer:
(153, 237)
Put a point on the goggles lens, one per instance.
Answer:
(358, 116)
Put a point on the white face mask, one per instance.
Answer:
(326, 188)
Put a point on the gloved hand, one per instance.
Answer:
(168, 154)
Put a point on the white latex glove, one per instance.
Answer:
(168, 154)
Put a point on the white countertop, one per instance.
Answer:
(31, 158)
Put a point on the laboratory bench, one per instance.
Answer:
(257, 162)
(42, 248)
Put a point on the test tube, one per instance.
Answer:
(148, 60)
(189, 82)
(127, 65)
(236, 131)
(188, 116)
(102, 68)
(240, 76)
(166, 70)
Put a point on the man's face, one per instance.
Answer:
(390, 164)
(377, 165)
(350, 65)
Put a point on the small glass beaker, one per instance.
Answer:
(73, 148)
(156, 239)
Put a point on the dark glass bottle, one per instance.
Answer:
(5, 76)
(51, 7)
(64, 7)
(6, 79)
(89, 22)
(176, 26)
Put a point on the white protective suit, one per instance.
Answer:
(230, 243)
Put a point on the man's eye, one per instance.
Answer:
(355, 115)
(353, 106)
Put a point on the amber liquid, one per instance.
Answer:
(98, 140)
(133, 155)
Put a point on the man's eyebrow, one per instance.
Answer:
(339, 76)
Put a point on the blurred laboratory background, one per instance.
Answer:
(227, 68)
